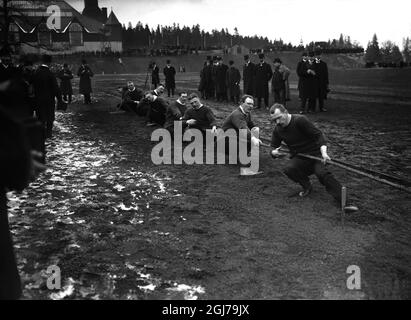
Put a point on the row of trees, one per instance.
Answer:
(185, 37)
(194, 38)
(388, 52)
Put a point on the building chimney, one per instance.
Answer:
(104, 13)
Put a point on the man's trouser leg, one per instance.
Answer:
(327, 179)
(87, 98)
(266, 99)
(258, 102)
(276, 94)
(321, 103)
(311, 104)
(298, 170)
(303, 104)
(9, 278)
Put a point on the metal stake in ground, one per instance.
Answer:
(343, 204)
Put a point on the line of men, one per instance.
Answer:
(297, 131)
(222, 82)
(313, 82)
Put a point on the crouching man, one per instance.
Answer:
(302, 137)
(199, 116)
(240, 118)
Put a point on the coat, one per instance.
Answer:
(46, 90)
(220, 74)
(65, 77)
(283, 73)
(263, 74)
(322, 78)
(155, 77)
(308, 83)
(233, 78)
(169, 73)
(249, 78)
(85, 74)
(14, 175)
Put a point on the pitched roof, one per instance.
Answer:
(112, 20)
(30, 13)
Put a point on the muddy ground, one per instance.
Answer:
(119, 227)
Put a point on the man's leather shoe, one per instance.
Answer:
(306, 192)
(350, 209)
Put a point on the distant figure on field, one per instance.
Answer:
(169, 73)
(248, 76)
(233, 78)
(263, 74)
(66, 88)
(85, 74)
(279, 83)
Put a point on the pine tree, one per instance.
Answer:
(406, 50)
(373, 53)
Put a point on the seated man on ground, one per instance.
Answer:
(199, 116)
(131, 98)
(175, 112)
(157, 107)
(159, 90)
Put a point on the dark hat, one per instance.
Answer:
(208, 57)
(277, 60)
(246, 57)
(219, 58)
(168, 61)
(311, 54)
(304, 54)
(261, 55)
(214, 58)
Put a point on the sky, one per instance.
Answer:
(290, 20)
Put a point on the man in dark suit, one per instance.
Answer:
(263, 74)
(308, 83)
(46, 90)
(304, 58)
(233, 82)
(155, 76)
(65, 76)
(17, 167)
(248, 76)
(221, 86)
(85, 74)
(322, 77)
(169, 73)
